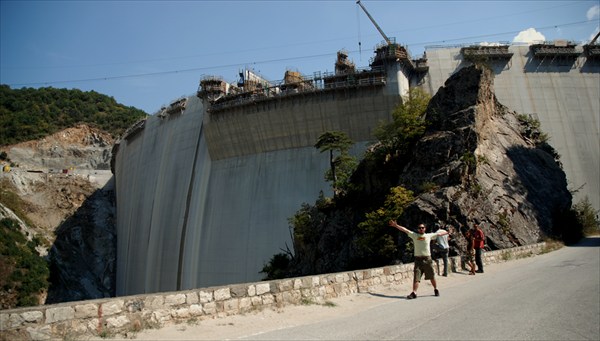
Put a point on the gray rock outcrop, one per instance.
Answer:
(481, 166)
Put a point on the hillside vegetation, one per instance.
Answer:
(52, 128)
(29, 114)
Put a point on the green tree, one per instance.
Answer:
(408, 122)
(277, 266)
(377, 240)
(342, 164)
(587, 217)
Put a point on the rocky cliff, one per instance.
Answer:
(64, 187)
(477, 161)
(484, 164)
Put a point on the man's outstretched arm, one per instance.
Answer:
(392, 223)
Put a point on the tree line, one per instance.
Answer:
(29, 114)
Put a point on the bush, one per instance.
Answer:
(25, 271)
(574, 224)
(587, 217)
(277, 267)
(378, 240)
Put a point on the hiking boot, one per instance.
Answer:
(436, 292)
(411, 296)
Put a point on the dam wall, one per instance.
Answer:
(563, 93)
(204, 195)
(204, 198)
(296, 121)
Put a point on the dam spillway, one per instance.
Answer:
(204, 193)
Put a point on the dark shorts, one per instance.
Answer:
(423, 265)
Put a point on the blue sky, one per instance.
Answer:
(148, 53)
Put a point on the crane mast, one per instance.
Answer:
(387, 40)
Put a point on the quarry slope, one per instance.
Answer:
(65, 186)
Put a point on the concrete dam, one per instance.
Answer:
(205, 187)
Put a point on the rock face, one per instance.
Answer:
(79, 147)
(74, 211)
(480, 167)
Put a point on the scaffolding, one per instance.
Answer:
(342, 65)
(559, 49)
(177, 107)
(487, 53)
(212, 88)
(293, 81)
(395, 53)
(592, 51)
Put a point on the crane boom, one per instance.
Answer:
(387, 40)
(595, 38)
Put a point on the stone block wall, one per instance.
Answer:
(128, 314)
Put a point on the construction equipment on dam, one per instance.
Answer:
(252, 88)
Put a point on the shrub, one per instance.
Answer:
(26, 272)
(587, 217)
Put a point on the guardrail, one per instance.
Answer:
(127, 314)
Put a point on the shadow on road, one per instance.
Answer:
(386, 296)
(591, 241)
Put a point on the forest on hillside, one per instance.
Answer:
(28, 114)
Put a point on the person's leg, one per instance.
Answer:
(417, 273)
(415, 286)
(436, 292)
(445, 258)
(471, 262)
(478, 260)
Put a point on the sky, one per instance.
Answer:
(147, 54)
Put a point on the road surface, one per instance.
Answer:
(554, 296)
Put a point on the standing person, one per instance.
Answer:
(444, 248)
(470, 251)
(422, 253)
(478, 244)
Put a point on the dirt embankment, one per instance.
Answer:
(60, 186)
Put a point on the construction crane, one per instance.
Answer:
(595, 38)
(387, 40)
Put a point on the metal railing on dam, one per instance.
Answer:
(307, 85)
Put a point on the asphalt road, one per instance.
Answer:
(555, 296)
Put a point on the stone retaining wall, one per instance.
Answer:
(129, 314)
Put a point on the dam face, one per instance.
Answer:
(205, 188)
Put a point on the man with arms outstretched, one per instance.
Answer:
(423, 261)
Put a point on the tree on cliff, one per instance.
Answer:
(342, 165)
(350, 230)
(408, 122)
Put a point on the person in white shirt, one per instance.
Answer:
(422, 253)
(443, 247)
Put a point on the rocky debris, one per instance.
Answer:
(63, 182)
(79, 147)
(480, 167)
